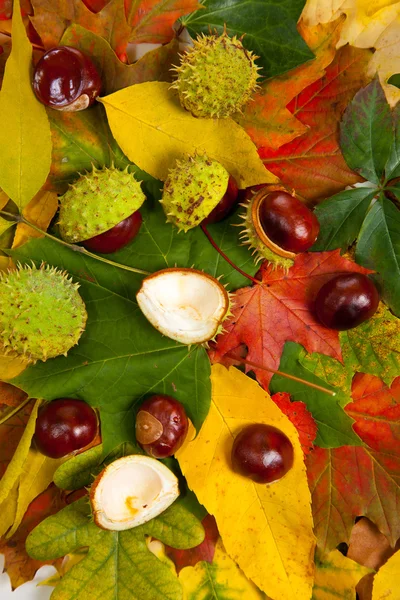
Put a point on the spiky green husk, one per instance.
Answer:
(217, 77)
(250, 238)
(41, 312)
(97, 202)
(192, 190)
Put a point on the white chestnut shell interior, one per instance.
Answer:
(184, 304)
(131, 491)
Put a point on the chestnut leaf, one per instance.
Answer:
(270, 29)
(116, 560)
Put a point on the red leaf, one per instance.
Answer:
(152, 20)
(266, 316)
(300, 417)
(20, 567)
(313, 164)
(205, 551)
(360, 481)
(10, 434)
(11, 395)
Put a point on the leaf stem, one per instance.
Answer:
(74, 247)
(15, 410)
(225, 257)
(244, 361)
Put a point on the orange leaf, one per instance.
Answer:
(10, 395)
(266, 119)
(297, 412)
(40, 211)
(313, 164)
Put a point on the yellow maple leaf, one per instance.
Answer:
(265, 528)
(336, 576)
(386, 582)
(153, 130)
(369, 24)
(220, 579)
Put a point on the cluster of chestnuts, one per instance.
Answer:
(66, 426)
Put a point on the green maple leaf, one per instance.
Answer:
(269, 29)
(119, 565)
(370, 142)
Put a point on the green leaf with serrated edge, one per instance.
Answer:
(341, 217)
(334, 426)
(269, 28)
(25, 141)
(82, 140)
(366, 132)
(79, 471)
(116, 560)
(378, 248)
(393, 164)
(374, 346)
(153, 66)
(120, 357)
(331, 372)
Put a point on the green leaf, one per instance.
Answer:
(80, 470)
(269, 28)
(115, 75)
(117, 562)
(378, 249)
(374, 346)
(341, 217)
(366, 132)
(81, 140)
(334, 426)
(25, 141)
(120, 357)
(393, 164)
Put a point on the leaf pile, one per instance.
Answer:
(320, 125)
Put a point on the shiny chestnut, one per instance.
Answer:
(66, 79)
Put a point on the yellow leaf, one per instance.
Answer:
(220, 580)
(40, 211)
(25, 140)
(36, 475)
(11, 367)
(153, 130)
(13, 472)
(368, 25)
(337, 576)
(386, 582)
(8, 508)
(265, 528)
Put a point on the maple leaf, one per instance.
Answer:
(353, 481)
(52, 17)
(152, 20)
(297, 412)
(20, 567)
(266, 119)
(266, 316)
(203, 552)
(313, 164)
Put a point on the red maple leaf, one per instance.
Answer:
(204, 551)
(300, 417)
(266, 316)
(313, 164)
(348, 482)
